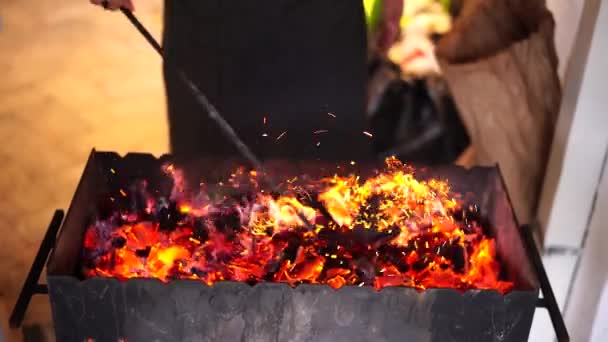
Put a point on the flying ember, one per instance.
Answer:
(390, 229)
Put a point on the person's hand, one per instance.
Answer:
(114, 4)
(389, 27)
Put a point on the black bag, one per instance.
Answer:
(415, 120)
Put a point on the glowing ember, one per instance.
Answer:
(389, 230)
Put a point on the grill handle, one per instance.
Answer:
(548, 301)
(31, 285)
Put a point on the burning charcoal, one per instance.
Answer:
(251, 281)
(371, 208)
(420, 264)
(472, 220)
(271, 268)
(312, 201)
(228, 219)
(331, 239)
(395, 256)
(365, 269)
(294, 241)
(228, 224)
(275, 195)
(457, 256)
(200, 232)
(224, 257)
(198, 272)
(459, 215)
(374, 237)
(168, 217)
(368, 251)
(242, 199)
(143, 253)
(291, 252)
(249, 197)
(119, 242)
(162, 202)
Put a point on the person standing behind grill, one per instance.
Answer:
(277, 70)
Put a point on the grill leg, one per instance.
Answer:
(548, 301)
(31, 286)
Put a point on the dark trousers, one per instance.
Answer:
(300, 64)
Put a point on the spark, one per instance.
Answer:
(113, 171)
(320, 131)
(332, 115)
(318, 143)
(281, 135)
(350, 200)
(368, 134)
(265, 120)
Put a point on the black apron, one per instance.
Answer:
(288, 75)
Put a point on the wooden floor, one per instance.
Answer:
(72, 77)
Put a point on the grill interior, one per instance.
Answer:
(106, 309)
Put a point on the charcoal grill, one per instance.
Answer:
(105, 309)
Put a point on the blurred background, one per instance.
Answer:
(73, 77)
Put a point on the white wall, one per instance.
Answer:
(568, 201)
(581, 135)
(600, 325)
(567, 14)
(592, 271)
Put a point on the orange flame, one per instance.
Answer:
(389, 230)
